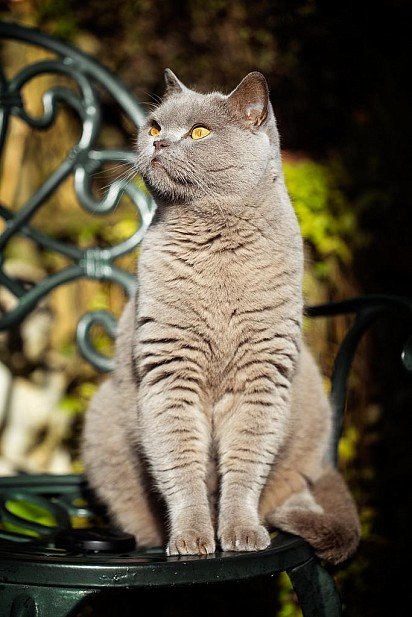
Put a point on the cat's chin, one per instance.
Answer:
(164, 186)
(163, 190)
(159, 176)
(160, 170)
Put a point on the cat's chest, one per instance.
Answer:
(221, 294)
(215, 308)
(215, 284)
(219, 276)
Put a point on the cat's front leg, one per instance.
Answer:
(249, 436)
(176, 438)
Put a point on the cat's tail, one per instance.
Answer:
(324, 515)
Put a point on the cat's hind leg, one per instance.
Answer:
(115, 472)
(324, 515)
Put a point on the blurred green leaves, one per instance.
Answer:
(322, 208)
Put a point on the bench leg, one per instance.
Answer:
(38, 601)
(316, 590)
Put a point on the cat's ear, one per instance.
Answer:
(173, 84)
(250, 100)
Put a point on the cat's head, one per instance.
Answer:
(212, 144)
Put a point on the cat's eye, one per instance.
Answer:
(199, 132)
(154, 130)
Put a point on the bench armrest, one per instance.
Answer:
(367, 310)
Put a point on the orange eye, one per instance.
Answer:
(199, 132)
(154, 131)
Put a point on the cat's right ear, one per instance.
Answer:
(250, 100)
(173, 84)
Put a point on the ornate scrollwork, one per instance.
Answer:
(407, 354)
(82, 162)
(367, 310)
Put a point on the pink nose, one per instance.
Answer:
(161, 143)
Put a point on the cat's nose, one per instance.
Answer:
(161, 143)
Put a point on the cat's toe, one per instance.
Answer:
(242, 538)
(191, 542)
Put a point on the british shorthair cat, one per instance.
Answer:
(214, 424)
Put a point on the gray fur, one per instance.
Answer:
(215, 418)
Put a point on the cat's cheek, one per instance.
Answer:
(144, 148)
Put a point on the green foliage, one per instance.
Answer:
(348, 444)
(29, 512)
(289, 606)
(60, 13)
(77, 401)
(34, 513)
(322, 209)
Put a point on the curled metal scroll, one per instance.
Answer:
(407, 354)
(82, 162)
(367, 310)
(84, 341)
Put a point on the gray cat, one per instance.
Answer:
(214, 422)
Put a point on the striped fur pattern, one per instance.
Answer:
(214, 424)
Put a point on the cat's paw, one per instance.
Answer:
(244, 538)
(191, 542)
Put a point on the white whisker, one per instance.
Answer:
(124, 163)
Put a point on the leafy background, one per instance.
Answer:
(339, 89)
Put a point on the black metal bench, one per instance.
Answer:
(53, 573)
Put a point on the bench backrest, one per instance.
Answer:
(86, 80)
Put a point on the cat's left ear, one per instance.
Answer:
(250, 100)
(173, 84)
